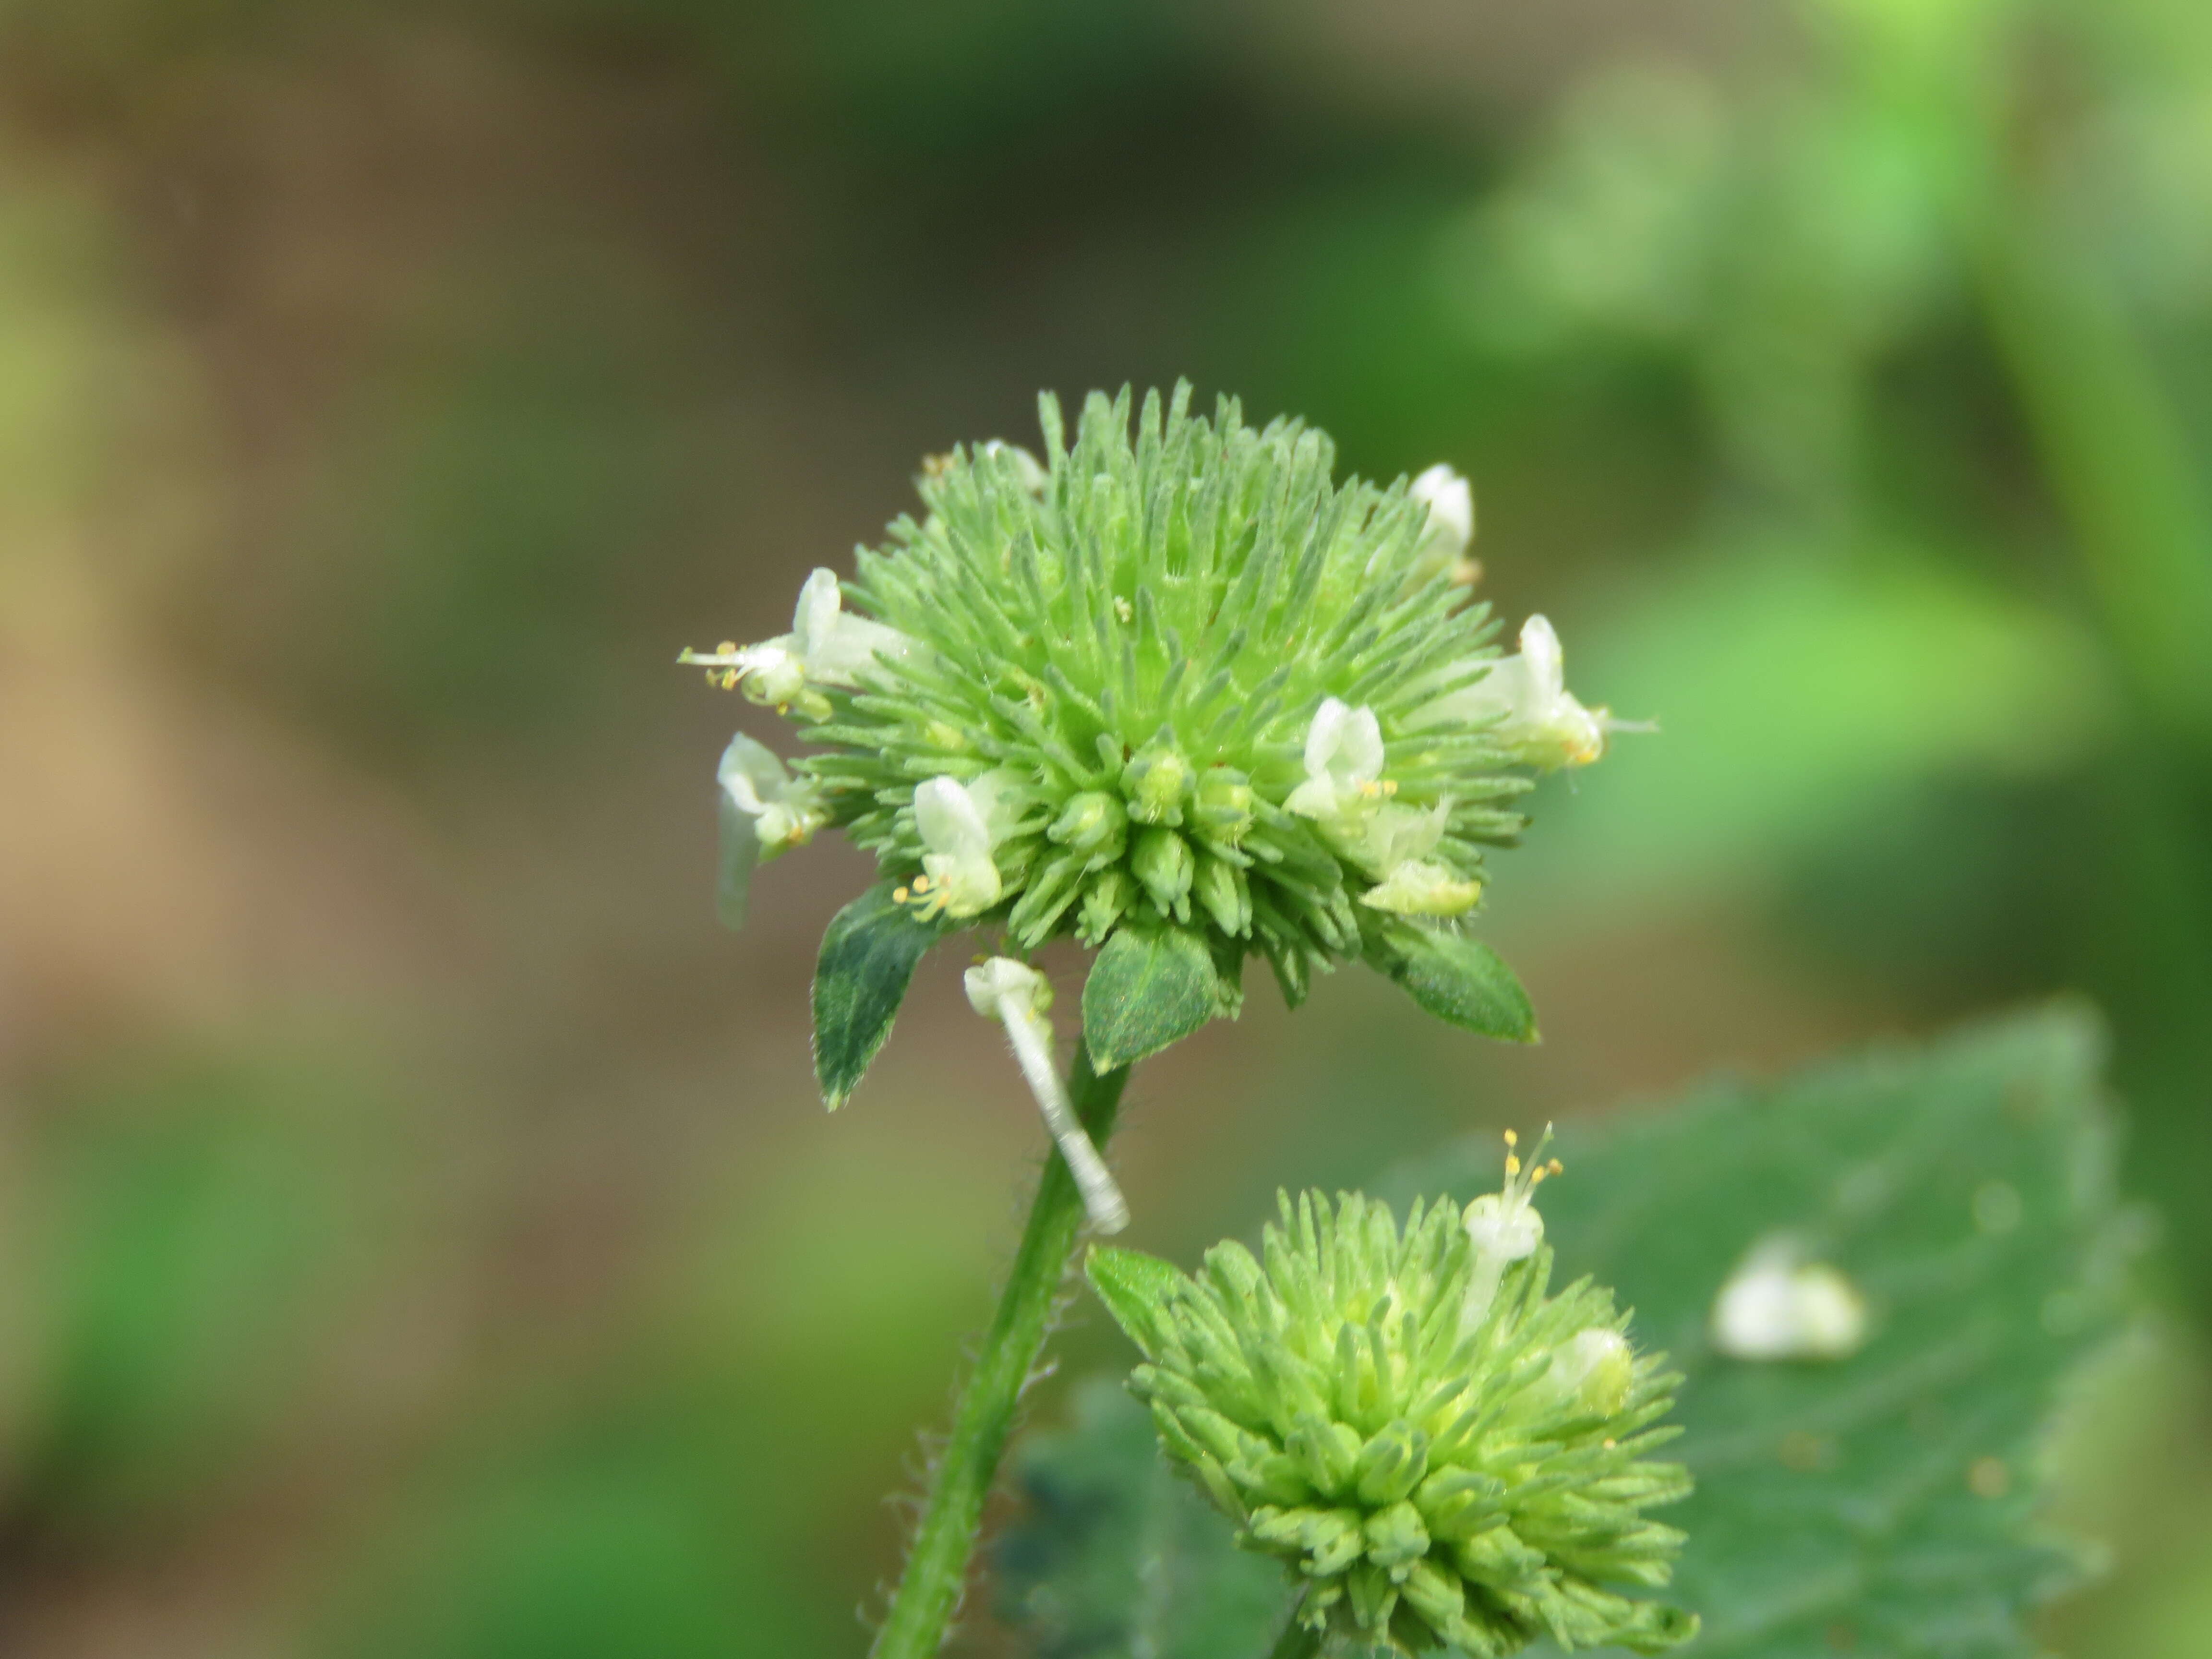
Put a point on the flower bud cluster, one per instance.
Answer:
(1176, 677)
(1442, 1452)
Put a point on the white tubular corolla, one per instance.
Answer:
(1018, 996)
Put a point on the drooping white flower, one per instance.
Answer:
(1777, 1305)
(958, 879)
(1450, 501)
(763, 810)
(1538, 721)
(1503, 1227)
(1344, 766)
(825, 647)
(1019, 997)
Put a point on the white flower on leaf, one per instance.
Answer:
(1450, 501)
(1777, 1305)
(764, 810)
(1019, 996)
(1531, 712)
(958, 879)
(825, 647)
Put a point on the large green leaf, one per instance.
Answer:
(1118, 1555)
(1150, 986)
(868, 958)
(1880, 1505)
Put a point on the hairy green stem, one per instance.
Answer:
(937, 1568)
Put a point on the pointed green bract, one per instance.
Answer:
(868, 958)
(1133, 1287)
(1150, 986)
(1456, 978)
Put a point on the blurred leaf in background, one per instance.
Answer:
(1889, 1499)
(388, 390)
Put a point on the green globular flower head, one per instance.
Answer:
(1174, 682)
(1441, 1451)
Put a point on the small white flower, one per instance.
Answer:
(1450, 501)
(825, 647)
(1019, 997)
(1777, 1305)
(1027, 467)
(1594, 1368)
(1536, 718)
(764, 810)
(1503, 1227)
(1344, 766)
(1345, 794)
(959, 879)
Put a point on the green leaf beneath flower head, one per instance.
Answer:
(1133, 1286)
(868, 958)
(1149, 987)
(1457, 979)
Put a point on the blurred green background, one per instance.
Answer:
(418, 1234)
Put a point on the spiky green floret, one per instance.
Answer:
(1132, 645)
(1439, 1465)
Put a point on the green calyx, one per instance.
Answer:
(1443, 1452)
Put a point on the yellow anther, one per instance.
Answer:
(1512, 1139)
(1512, 1164)
(900, 895)
(1556, 1167)
(726, 648)
(1390, 787)
(921, 883)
